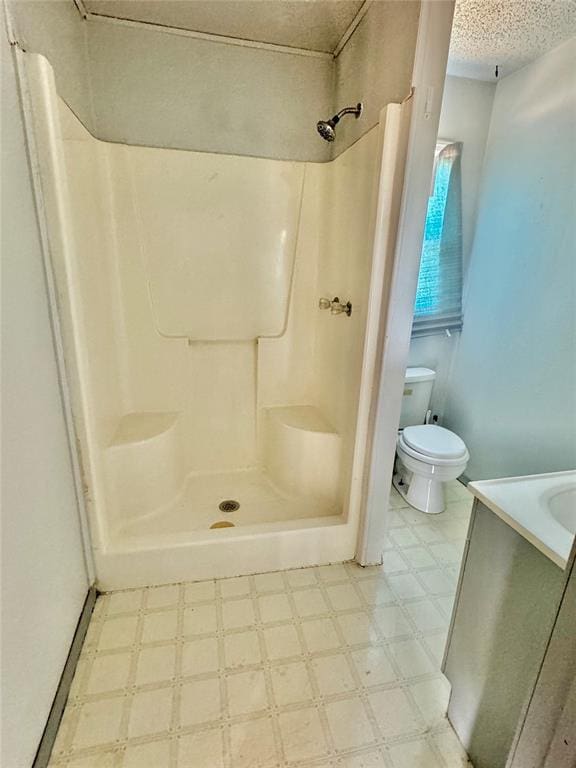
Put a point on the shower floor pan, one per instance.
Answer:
(197, 508)
(272, 531)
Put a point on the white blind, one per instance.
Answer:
(438, 304)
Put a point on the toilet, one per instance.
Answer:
(427, 456)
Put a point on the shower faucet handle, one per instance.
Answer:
(335, 306)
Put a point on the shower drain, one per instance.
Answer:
(229, 505)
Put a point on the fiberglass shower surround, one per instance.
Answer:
(203, 369)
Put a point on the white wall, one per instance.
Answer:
(512, 393)
(188, 93)
(465, 117)
(140, 85)
(44, 581)
(375, 66)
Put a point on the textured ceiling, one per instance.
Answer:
(316, 25)
(510, 33)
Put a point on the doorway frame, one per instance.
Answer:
(428, 77)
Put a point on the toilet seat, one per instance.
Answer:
(433, 445)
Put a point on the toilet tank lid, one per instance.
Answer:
(419, 374)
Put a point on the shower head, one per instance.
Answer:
(326, 128)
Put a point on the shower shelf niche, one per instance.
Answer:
(144, 462)
(302, 451)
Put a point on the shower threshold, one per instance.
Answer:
(197, 508)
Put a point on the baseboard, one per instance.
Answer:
(464, 479)
(56, 711)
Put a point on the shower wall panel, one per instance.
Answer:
(347, 235)
(217, 236)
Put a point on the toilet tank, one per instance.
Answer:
(416, 400)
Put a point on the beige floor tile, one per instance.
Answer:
(200, 620)
(281, 642)
(118, 632)
(373, 666)
(269, 582)
(252, 744)
(124, 602)
(411, 593)
(150, 712)
(302, 734)
(436, 582)
(349, 724)
(396, 500)
(303, 577)
(291, 683)
(333, 675)
(106, 759)
(159, 626)
(446, 553)
(310, 602)
(156, 664)
(371, 759)
(405, 586)
(429, 534)
(238, 613)
(431, 698)
(236, 587)
(162, 597)
(410, 658)
(109, 673)
(414, 754)
(446, 604)
(320, 635)
(200, 702)
(393, 562)
(418, 557)
(274, 608)
(199, 591)
(201, 750)
(392, 622)
(403, 537)
(200, 656)
(451, 750)
(242, 649)
(152, 755)
(436, 643)
(412, 516)
(98, 723)
(376, 591)
(246, 692)
(357, 628)
(343, 597)
(394, 713)
(425, 615)
(332, 573)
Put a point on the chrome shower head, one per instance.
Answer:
(326, 128)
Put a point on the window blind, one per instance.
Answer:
(438, 304)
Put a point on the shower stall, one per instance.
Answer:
(221, 319)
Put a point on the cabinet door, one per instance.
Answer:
(508, 597)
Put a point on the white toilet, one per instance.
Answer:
(427, 455)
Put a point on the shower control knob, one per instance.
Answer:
(335, 306)
(340, 308)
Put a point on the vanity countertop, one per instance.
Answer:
(541, 508)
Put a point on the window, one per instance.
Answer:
(439, 296)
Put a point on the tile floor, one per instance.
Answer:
(320, 667)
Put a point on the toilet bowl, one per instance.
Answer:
(427, 456)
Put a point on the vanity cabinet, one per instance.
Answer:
(507, 599)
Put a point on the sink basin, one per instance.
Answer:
(542, 508)
(562, 506)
